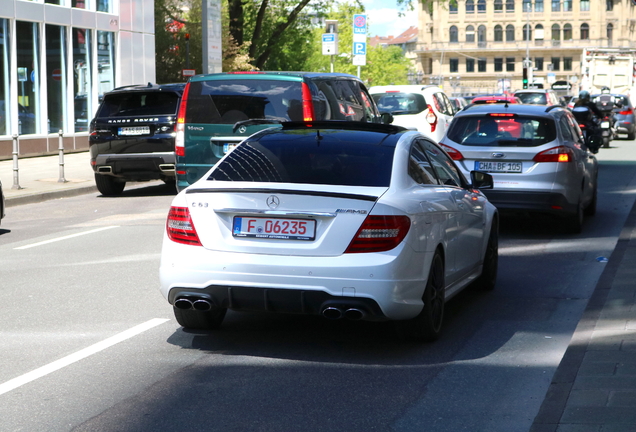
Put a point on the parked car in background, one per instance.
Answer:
(495, 99)
(349, 220)
(458, 102)
(571, 102)
(538, 96)
(424, 108)
(220, 110)
(536, 155)
(132, 136)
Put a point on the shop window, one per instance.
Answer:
(28, 68)
(5, 78)
(105, 61)
(82, 78)
(56, 77)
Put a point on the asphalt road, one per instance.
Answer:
(87, 343)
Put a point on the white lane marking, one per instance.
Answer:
(66, 237)
(79, 355)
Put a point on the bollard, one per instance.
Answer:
(61, 148)
(16, 176)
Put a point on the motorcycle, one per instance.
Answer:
(607, 130)
(590, 128)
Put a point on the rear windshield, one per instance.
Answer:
(400, 103)
(139, 104)
(230, 101)
(291, 159)
(533, 98)
(507, 131)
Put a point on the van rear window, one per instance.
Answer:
(138, 104)
(400, 103)
(229, 101)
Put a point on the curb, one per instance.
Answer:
(45, 196)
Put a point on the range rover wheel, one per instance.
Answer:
(427, 326)
(108, 185)
(200, 320)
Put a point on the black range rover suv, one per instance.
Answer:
(132, 136)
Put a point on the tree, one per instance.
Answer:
(384, 65)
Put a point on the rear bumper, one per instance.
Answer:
(543, 202)
(136, 166)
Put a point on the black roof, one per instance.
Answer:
(523, 109)
(172, 87)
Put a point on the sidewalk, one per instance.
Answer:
(39, 178)
(594, 387)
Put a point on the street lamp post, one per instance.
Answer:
(454, 83)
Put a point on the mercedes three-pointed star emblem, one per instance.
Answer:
(273, 201)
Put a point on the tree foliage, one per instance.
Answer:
(269, 35)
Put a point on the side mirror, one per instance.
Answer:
(481, 180)
(386, 118)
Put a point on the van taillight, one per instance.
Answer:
(180, 228)
(431, 118)
(379, 234)
(179, 141)
(308, 105)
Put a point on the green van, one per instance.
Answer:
(213, 107)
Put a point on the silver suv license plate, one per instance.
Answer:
(503, 167)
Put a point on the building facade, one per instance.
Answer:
(481, 46)
(57, 57)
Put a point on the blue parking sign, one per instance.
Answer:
(359, 48)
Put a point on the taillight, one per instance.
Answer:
(180, 228)
(308, 105)
(627, 111)
(453, 153)
(555, 154)
(179, 139)
(379, 234)
(431, 118)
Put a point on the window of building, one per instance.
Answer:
(510, 33)
(28, 66)
(481, 6)
(454, 65)
(56, 71)
(527, 32)
(498, 64)
(470, 65)
(538, 5)
(481, 36)
(609, 5)
(470, 34)
(498, 5)
(556, 32)
(567, 5)
(539, 34)
(510, 5)
(453, 34)
(80, 4)
(106, 61)
(452, 7)
(5, 76)
(82, 83)
(526, 6)
(585, 5)
(470, 6)
(556, 63)
(610, 32)
(105, 6)
(556, 5)
(567, 63)
(56, 2)
(498, 33)
(567, 32)
(538, 63)
(585, 31)
(510, 64)
(481, 64)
